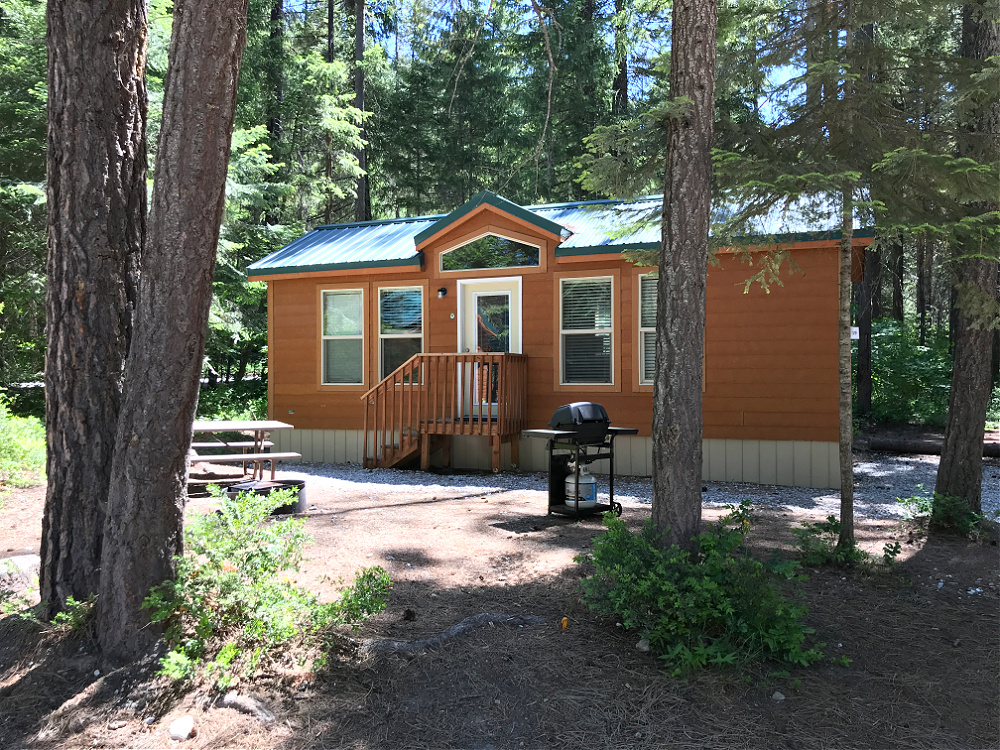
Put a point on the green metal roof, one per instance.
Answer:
(588, 227)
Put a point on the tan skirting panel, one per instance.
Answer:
(795, 463)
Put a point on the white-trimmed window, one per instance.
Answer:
(647, 329)
(343, 337)
(400, 326)
(585, 331)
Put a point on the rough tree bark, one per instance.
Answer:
(143, 529)
(960, 472)
(680, 311)
(96, 225)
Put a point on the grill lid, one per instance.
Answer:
(589, 420)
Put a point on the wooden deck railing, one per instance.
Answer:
(444, 394)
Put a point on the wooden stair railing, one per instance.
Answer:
(442, 395)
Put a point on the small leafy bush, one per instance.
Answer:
(942, 513)
(76, 617)
(817, 543)
(715, 606)
(22, 448)
(233, 605)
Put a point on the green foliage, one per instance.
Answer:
(943, 513)
(714, 606)
(76, 617)
(993, 410)
(22, 194)
(233, 605)
(818, 545)
(910, 383)
(22, 448)
(244, 400)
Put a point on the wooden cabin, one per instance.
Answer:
(441, 338)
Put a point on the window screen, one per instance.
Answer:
(586, 331)
(343, 337)
(647, 328)
(401, 326)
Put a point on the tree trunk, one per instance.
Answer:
(363, 202)
(896, 270)
(846, 439)
(866, 311)
(925, 261)
(619, 87)
(878, 277)
(276, 44)
(143, 529)
(960, 472)
(680, 312)
(96, 225)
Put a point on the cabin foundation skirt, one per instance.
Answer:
(792, 463)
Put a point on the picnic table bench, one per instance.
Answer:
(258, 447)
(257, 459)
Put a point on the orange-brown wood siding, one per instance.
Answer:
(771, 358)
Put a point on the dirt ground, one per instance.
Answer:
(923, 651)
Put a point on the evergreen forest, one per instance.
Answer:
(411, 107)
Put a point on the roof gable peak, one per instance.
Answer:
(498, 202)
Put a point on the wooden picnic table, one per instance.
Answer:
(257, 428)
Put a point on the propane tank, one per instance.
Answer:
(585, 492)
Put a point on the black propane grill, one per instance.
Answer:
(579, 434)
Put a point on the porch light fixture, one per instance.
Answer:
(442, 292)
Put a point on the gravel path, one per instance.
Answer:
(879, 480)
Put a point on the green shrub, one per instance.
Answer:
(818, 545)
(22, 448)
(715, 606)
(910, 383)
(231, 603)
(942, 513)
(77, 616)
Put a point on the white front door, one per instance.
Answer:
(489, 322)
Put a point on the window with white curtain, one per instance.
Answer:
(647, 329)
(401, 326)
(585, 331)
(343, 337)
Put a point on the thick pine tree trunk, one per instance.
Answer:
(143, 529)
(960, 472)
(96, 225)
(680, 312)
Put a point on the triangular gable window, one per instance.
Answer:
(490, 251)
